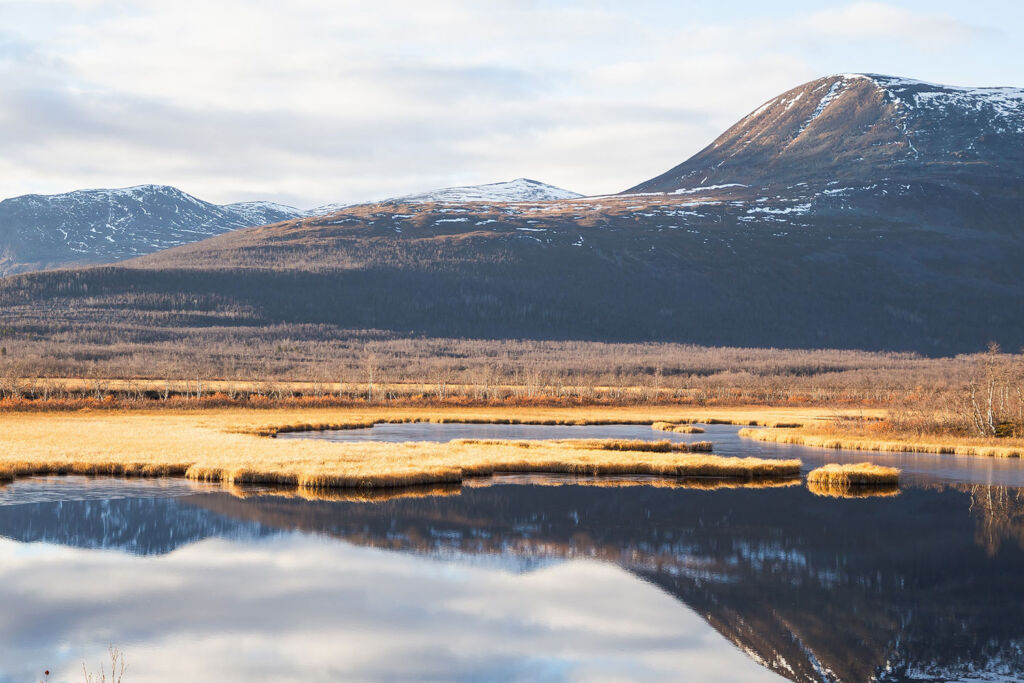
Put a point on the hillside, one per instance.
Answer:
(852, 212)
(100, 226)
(862, 129)
(105, 226)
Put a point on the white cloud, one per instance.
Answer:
(874, 20)
(313, 102)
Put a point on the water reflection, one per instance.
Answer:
(522, 580)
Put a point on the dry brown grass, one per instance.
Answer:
(850, 476)
(224, 445)
(856, 436)
(678, 429)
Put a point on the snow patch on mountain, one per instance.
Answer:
(518, 190)
(1003, 102)
(104, 225)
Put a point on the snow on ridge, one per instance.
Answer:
(1006, 102)
(518, 190)
(833, 92)
(132, 191)
(261, 204)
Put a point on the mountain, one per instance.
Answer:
(859, 129)
(103, 226)
(98, 226)
(518, 190)
(852, 212)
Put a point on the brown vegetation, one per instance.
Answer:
(876, 435)
(843, 477)
(637, 445)
(983, 415)
(223, 446)
(127, 364)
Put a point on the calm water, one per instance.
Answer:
(521, 578)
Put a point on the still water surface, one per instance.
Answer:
(522, 577)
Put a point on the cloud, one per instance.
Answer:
(878, 21)
(311, 102)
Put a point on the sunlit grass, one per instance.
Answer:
(857, 437)
(225, 446)
(842, 480)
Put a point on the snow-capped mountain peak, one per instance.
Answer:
(103, 225)
(858, 128)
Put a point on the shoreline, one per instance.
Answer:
(859, 443)
(232, 446)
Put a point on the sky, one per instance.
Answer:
(311, 102)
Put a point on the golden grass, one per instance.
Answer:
(843, 477)
(280, 420)
(677, 428)
(860, 442)
(223, 445)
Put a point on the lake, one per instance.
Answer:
(521, 577)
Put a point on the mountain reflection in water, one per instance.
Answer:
(922, 585)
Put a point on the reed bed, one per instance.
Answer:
(849, 476)
(541, 416)
(854, 442)
(677, 428)
(224, 446)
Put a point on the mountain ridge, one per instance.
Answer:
(102, 225)
(888, 123)
(849, 238)
(93, 226)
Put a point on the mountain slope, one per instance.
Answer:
(96, 226)
(837, 240)
(862, 128)
(518, 190)
(103, 226)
